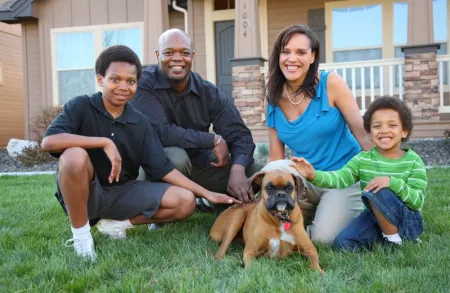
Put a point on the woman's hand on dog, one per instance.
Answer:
(216, 197)
(304, 168)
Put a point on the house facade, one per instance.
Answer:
(396, 47)
(11, 83)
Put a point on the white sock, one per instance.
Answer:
(395, 238)
(83, 232)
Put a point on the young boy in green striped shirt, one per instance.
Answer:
(393, 180)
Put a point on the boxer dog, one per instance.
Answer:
(272, 226)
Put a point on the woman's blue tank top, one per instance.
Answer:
(320, 134)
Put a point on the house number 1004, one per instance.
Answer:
(244, 23)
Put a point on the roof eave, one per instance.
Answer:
(19, 11)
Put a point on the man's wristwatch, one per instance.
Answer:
(218, 141)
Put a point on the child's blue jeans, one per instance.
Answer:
(364, 231)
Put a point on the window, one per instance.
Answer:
(400, 22)
(224, 4)
(74, 51)
(364, 24)
(440, 20)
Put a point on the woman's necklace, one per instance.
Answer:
(289, 98)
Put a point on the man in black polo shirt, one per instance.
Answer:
(182, 106)
(101, 141)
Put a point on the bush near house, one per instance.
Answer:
(34, 155)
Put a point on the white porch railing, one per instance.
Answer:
(370, 79)
(444, 82)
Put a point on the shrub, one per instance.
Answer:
(35, 155)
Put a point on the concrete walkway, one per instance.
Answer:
(26, 173)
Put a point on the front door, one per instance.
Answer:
(316, 21)
(224, 31)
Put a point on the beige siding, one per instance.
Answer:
(98, 10)
(80, 7)
(11, 89)
(135, 10)
(284, 13)
(117, 11)
(176, 19)
(199, 37)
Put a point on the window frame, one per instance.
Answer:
(97, 31)
(330, 6)
(388, 45)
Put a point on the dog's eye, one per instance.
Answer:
(269, 188)
(289, 188)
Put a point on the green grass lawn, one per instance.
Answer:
(180, 256)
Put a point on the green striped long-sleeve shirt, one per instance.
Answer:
(408, 175)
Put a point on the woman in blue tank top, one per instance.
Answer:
(314, 114)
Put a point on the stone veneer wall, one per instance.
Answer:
(248, 93)
(422, 86)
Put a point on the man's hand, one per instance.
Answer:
(221, 152)
(116, 161)
(215, 197)
(304, 168)
(377, 183)
(238, 186)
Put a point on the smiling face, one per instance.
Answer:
(118, 85)
(386, 131)
(175, 56)
(296, 58)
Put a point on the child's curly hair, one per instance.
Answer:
(388, 102)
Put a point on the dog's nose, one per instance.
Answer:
(281, 194)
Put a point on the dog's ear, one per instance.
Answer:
(256, 181)
(299, 185)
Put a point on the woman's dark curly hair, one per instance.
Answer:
(117, 53)
(276, 79)
(388, 102)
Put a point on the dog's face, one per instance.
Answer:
(278, 190)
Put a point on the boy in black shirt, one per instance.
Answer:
(101, 141)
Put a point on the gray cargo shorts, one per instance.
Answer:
(122, 202)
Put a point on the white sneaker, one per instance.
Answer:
(83, 247)
(112, 228)
(154, 226)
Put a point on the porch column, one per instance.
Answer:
(156, 21)
(421, 76)
(248, 65)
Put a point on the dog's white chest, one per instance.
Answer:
(275, 243)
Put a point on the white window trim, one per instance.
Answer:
(98, 47)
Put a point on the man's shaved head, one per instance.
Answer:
(173, 33)
(175, 56)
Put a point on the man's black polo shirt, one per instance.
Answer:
(183, 120)
(135, 139)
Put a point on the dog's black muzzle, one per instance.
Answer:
(278, 199)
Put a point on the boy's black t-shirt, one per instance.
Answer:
(132, 133)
